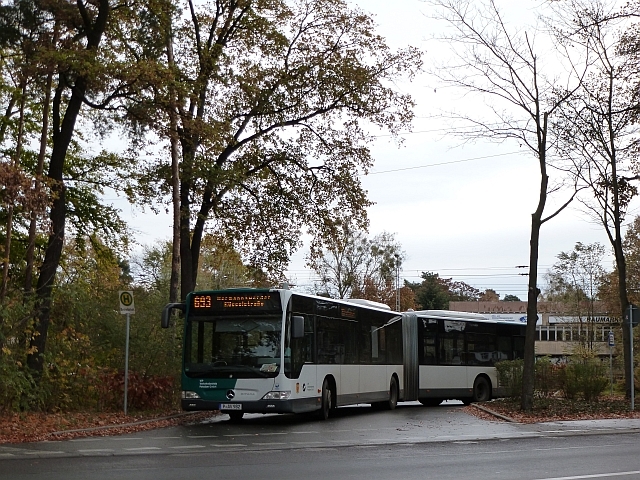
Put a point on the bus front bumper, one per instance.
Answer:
(261, 406)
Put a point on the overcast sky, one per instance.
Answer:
(463, 212)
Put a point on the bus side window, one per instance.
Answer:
(429, 348)
(504, 349)
(451, 348)
(518, 347)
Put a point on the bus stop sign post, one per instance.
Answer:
(126, 308)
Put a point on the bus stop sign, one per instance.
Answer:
(126, 302)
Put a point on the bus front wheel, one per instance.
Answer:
(326, 405)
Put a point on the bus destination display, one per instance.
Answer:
(219, 302)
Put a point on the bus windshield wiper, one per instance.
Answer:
(202, 373)
(246, 368)
(225, 370)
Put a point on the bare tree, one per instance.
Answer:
(599, 134)
(353, 265)
(503, 67)
(575, 280)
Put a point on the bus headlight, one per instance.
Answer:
(277, 396)
(187, 395)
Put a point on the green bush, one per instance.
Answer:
(17, 387)
(586, 378)
(510, 376)
(547, 379)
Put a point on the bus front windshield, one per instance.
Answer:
(233, 347)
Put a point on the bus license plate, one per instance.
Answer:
(230, 406)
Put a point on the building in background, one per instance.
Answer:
(560, 328)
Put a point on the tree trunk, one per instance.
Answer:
(9, 229)
(621, 265)
(528, 374)
(174, 284)
(57, 217)
(33, 221)
(62, 136)
(186, 272)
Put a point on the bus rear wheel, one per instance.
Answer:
(481, 390)
(327, 400)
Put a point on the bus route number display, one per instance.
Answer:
(239, 301)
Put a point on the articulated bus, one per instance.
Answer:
(278, 351)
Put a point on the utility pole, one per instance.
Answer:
(397, 282)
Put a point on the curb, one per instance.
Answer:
(495, 414)
(121, 425)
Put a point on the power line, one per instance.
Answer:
(434, 130)
(445, 163)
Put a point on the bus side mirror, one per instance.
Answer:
(166, 312)
(297, 327)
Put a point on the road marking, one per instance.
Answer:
(202, 436)
(140, 449)
(265, 444)
(228, 445)
(597, 475)
(96, 450)
(40, 452)
(188, 446)
(125, 438)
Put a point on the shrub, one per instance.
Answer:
(545, 377)
(17, 387)
(510, 376)
(586, 378)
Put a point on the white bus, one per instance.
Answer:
(273, 350)
(276, 351)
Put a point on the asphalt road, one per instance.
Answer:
(358, 443)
